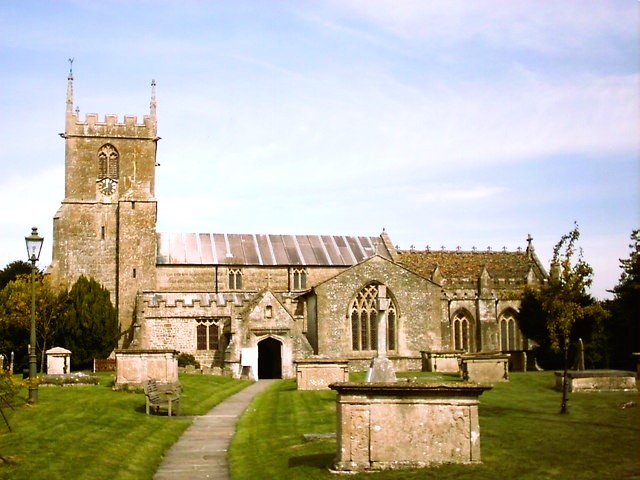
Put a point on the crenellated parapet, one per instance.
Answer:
(194, 301)
(110, 126)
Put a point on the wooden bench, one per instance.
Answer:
(166, 398)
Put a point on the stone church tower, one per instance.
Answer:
(105, 227)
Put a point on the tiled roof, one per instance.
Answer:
(266, 250)
(469, 265)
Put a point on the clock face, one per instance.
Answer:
(108, 186)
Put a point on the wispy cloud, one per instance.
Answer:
(546, 26)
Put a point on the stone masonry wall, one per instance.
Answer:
(417, 300)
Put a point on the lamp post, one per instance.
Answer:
(34, 245)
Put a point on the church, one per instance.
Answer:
(288, 297)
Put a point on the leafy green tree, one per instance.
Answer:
(13, 271)
(622, 329)
(15, 316)
(89, 327)
(562, 311)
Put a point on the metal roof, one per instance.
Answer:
(266, 249)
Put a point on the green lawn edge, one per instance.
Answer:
(523, 436)
(94, 432)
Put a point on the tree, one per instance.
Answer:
(89, 327)
(13, 271)
(622, 329)
(15, 315)
(554, 315)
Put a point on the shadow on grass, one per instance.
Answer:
(318, 460)
(550, 417)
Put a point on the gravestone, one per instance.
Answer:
(597, 380)
(443, 361)
(490, 367)
(58, 361)
(134, 367)
(383, 426)
(319, 373)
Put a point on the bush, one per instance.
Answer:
(185, 359)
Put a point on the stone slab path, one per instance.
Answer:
(201, 451)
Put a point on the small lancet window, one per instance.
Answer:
(299, 277)
(235, 279)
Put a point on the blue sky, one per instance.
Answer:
(469, 124)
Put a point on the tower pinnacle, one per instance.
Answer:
(70, 87)
(152, 106)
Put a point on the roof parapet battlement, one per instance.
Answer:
(111, 120)
(195, 300)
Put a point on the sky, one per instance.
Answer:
(447, 124)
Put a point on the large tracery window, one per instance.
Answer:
(364, 321)
(460, 326)
(510, 337)
(108, 161)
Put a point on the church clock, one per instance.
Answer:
(108, 186)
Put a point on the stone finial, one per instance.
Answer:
(530, 249)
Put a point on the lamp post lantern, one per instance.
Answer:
(34, 245)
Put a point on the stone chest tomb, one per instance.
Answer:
(406, 425)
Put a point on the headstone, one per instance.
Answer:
(319, 373)
(485, 367)
(580, 359)
(58, 361)
(382, 426)
(597, 380)
(134, 367)
(443, 361)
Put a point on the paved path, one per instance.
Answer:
(201, 451)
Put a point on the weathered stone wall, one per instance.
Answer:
(136, 255)
(216, 279)
(415, 297)
(79, 246)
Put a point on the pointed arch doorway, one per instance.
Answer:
(269, 358)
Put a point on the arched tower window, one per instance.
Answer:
(461, 331)
(364, 321)
(108, 162)
(510, 336)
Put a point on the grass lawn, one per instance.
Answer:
(522, 435)
(93, 432)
